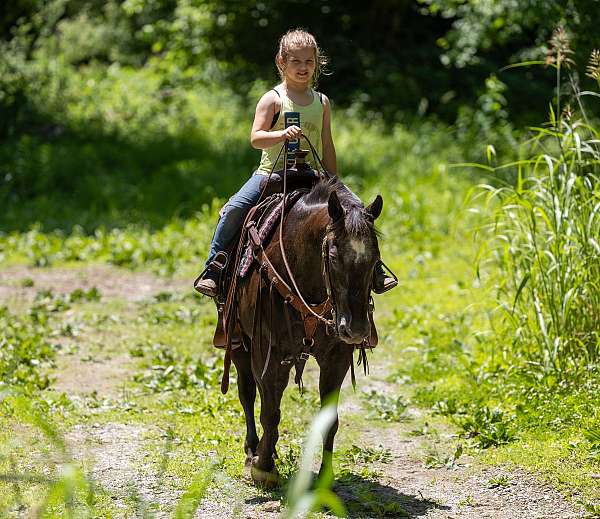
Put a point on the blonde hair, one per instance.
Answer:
(296, 39)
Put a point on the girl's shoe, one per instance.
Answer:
(207, 284)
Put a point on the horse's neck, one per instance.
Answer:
(303, 239)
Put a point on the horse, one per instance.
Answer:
(331, 243)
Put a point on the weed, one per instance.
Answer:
(592, 434)
(366, 455)
(467, 501)
(545, 237)
(27, 283)
(374, 504)
(25, 350)
(499, 481)
(190, 500)
(183, 314)
(423, 430)
(170, 371)
(92, 294)
(434, 460)
(288, 461)
(446, 407)
(301, 499)
(592, 510)
(384, 407)
(486, 427)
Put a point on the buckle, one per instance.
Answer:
(304, 356)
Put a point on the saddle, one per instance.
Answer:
(237, 260)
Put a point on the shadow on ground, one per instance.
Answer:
(365, 498)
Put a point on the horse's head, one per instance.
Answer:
(351, 252)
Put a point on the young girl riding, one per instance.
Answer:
(299, 62)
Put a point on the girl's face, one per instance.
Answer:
(300, 65)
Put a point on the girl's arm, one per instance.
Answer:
(329, 158)
(260, 136)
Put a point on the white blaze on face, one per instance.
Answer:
(358, 247)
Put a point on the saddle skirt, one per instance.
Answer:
(266, 219)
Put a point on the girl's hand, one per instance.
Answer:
(291, 133)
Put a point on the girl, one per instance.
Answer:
(299, 62)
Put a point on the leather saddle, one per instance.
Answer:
(300, 178)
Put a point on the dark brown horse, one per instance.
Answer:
(327, 234)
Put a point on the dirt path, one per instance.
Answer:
(116, 452)
(23, 282)
(467, 490)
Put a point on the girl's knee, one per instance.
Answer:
(234, 213)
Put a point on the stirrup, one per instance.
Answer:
(217, 265)
(390, 282)
(220, 261)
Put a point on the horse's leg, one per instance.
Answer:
(247, 395)
(333, 368)
(271, 390)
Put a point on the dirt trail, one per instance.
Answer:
(110, 281)
(464, 491)
(116, 451)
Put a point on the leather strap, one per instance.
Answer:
(310, 320)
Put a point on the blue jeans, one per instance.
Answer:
(233, 215)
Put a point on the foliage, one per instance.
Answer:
(385, 407)
(487, 427)
(169, 371)
(499, 481)
(367, 455)
(24, 350)
(545, 239)
(434, 460)
(437, 53)
(301, 499)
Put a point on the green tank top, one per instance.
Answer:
(311, 122)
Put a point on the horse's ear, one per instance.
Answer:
(375, 208)
(336, 211)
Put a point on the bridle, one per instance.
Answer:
(326, 275)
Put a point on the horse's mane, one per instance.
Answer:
(356, 222)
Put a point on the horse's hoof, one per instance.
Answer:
(263, 478)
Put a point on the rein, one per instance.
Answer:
(311, 314)
(324, 259)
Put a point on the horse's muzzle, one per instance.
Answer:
(352, 332)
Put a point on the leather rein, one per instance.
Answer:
(311, 315)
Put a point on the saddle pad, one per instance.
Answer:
(265, 223)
